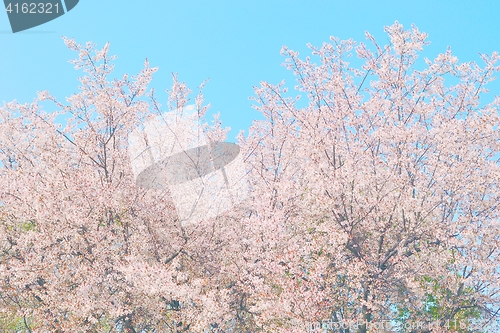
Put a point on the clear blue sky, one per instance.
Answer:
(234, 43)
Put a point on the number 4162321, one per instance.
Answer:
(32, 8)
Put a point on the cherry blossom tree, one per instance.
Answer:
(377, 197)
(373, 200)
(83, 248)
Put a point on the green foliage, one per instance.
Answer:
(28, 225)
(10, 323)
(436, 310)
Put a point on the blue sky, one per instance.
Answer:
(234, 43)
